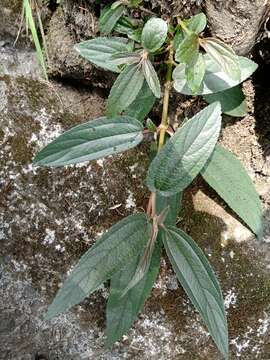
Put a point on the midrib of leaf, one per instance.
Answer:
(198, 280)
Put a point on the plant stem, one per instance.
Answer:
(164, 120)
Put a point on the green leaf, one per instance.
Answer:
(195, 71)
(125, 26)
(197, 23)
(99, 51)
(188, 49)
(125, 89)
(143, 103)
(154, 34)
(178, 38)
(126, 58)
(173, 202)
(214, 80)
(109, 18)
(233, 101)
(223, 55)
(113, 250)
(122, 310)
(184, 155)
(151, 77)
(227, 176)
(199, 281)
(92, 140)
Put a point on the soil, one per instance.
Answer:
(49, 217)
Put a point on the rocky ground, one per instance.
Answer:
(49, 217)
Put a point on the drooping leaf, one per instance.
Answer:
(173, 202)
(214, 80)
(99, 51)
(121, 311)
(227, 176)
(125, 89)
(197, 23)
(188, 49)
(195, 71)
(143, 103)
(92, 140)
(109, 17)
(184, 155)
(126, 58)
(151, 77)
(199, 281)
(233, 101)
(223, 55)
(154, 34)
(120, 245)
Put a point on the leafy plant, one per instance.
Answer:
(129, 253)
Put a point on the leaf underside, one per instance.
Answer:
(214, 79)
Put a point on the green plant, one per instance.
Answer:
(128, 254)
(28, 7)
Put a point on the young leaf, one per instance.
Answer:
(199, 281)
(223, 55)
(151, 77)
(121, 311)
(178, 38)
(125, 89)
(92, 140)
(113, 250)
(173, 202)
(184, 155)
(188, 49)
(233, 101)
(109, 18)
(99, 51)
(195, 71)
(154, 34)
(197, 23)
(124, 26)
(214, 80)
(143, 103)
(126, 58)
(227, 176)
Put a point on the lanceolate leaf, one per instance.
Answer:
(109, 18)
(233, 101)
(151, 77)
(214, 80)
(199, 281)
(188, 49)
(120, 245)
(125, 89)
(100, 50)
(223, 55)
(195, 71)
(154, 34)
(143, 103)
(122, 310)
(92, 140)
(184, 155)
(226, 175)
